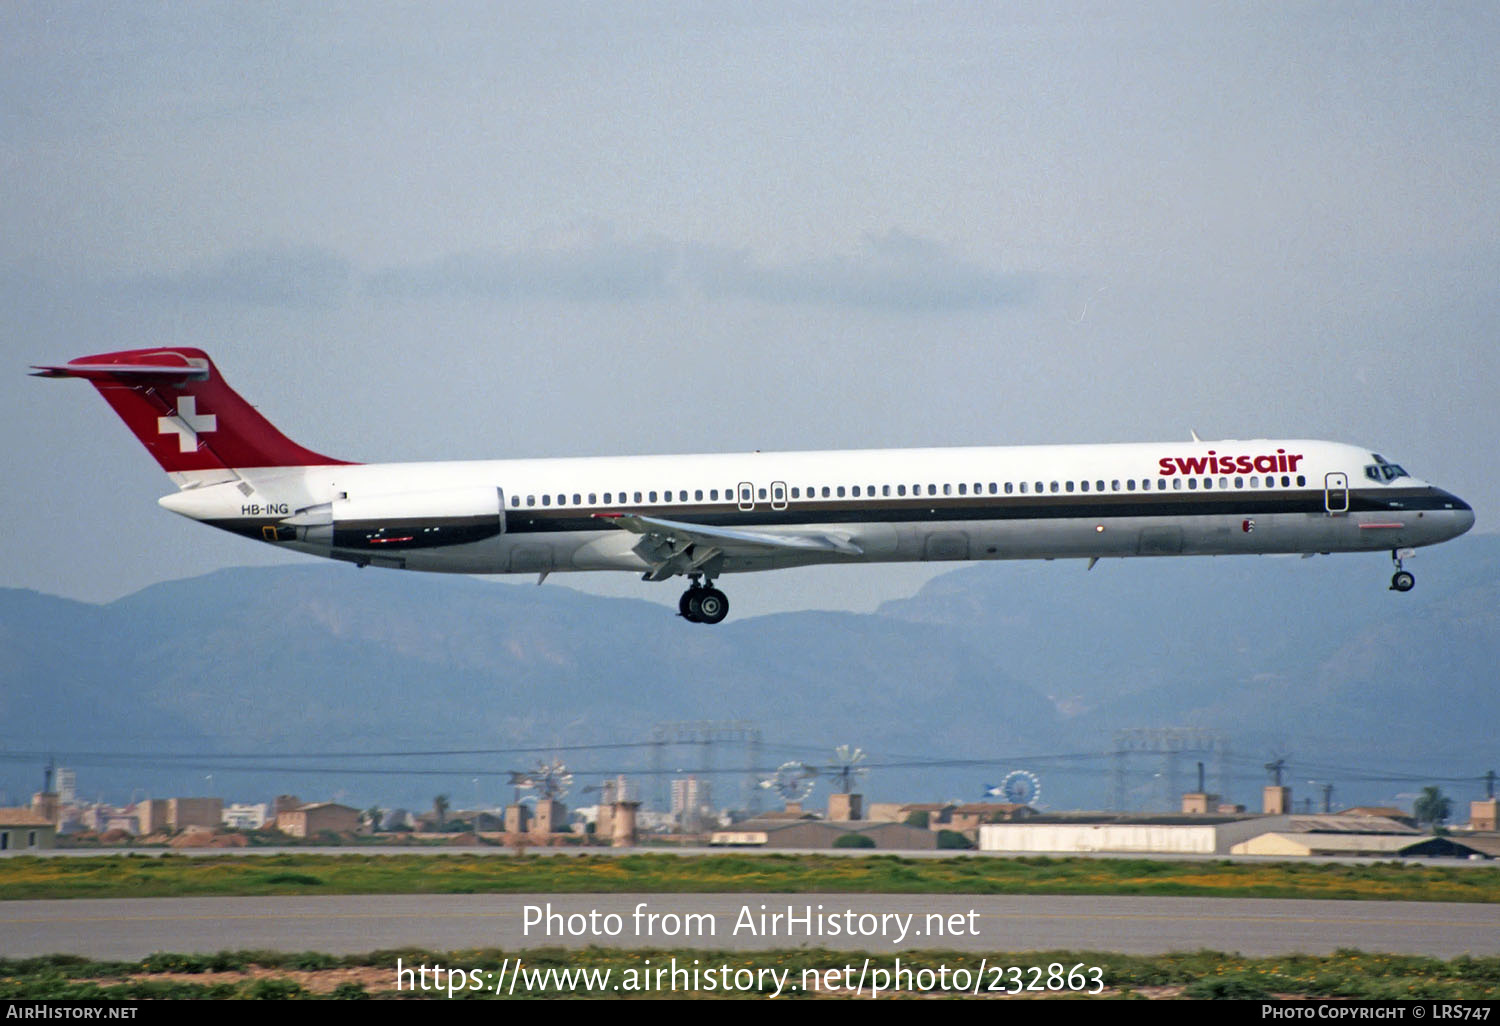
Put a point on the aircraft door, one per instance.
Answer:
(778, 495)
(747, 495)
(1336, 493)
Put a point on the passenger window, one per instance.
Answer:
(515, 500)
(1161, 484)
(546, 500)
(1099, 486)
(1007, 488)
(947, 489)
(1114, 486)
(653, 496)
(593, 499)
(698, 495)
(1255, 482)
(825, 491)
(796, 493)
(637, 496)
(531, 500)
(1223, 482)
(841, 491)
(901, 489)
(995, 487)
(1286, 482)
(885, 490)
(932, 489)
(577, 499)
(1023, 487)
(963, 489)
(1239, 482)
(1177, 484)
(1084, 486)
(1068, 486)
(761, 492)
(1301, 481)
(1130, 485)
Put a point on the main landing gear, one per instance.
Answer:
(1401, 580)
(703, 604)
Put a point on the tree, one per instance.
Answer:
(1432, 807)
(852, 840)
(440, 811)
(372, 817)
(953, 839)
(917, 819)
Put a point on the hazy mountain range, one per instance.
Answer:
(240, 682)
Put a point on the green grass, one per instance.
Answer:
(1205, 974)
(117, 875)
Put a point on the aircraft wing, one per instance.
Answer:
(673, 546)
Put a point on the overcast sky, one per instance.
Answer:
(430, 231)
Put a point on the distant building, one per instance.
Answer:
(692, 800)
(845, 807)
(975, 814)
(1373, 845)
(816, 833)
(316, 818)
(937, 814)
(157, 815)
(26, 830)
(1382, 812)
(1198, 834)
(1173, 833)
(150, 815)
(194, 812)
(67, 785)
(246, 817)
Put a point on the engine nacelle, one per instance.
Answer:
(403, 521)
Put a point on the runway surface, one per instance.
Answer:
(125, 928)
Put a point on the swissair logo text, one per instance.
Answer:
(1281, 462)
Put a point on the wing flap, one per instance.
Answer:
(727, 539)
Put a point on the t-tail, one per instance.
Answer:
(175, 401)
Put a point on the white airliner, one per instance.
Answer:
(707, 515)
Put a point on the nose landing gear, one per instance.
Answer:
(703, 604)
(1401, 580)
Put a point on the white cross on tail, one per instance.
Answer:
(187, 424)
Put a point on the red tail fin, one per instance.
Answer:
(178, 405)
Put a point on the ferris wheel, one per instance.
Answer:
(1021, 787)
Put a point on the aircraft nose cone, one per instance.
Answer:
(1459, 513)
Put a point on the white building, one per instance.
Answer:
(246, 817)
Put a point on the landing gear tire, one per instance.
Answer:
(712, 605)
(703, 605)
(1402, 580)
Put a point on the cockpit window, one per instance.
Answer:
(1384, 471)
